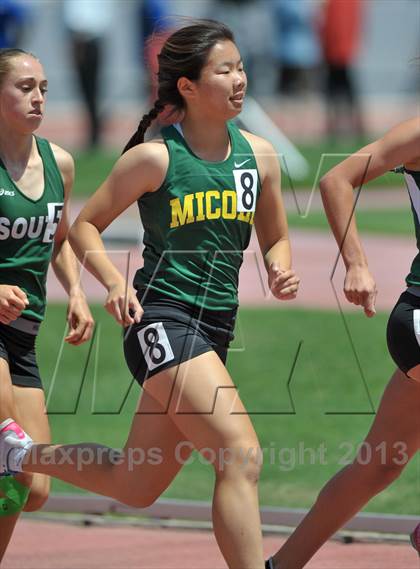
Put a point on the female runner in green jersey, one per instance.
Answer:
(200, 188)
(35, 182)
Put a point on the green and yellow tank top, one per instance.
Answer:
(198, 223)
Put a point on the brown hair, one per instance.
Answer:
(184, 54)
(6, 55)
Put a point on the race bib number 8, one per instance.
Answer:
(246, 189)
(155, 345)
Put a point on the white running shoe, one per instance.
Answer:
(14, 444)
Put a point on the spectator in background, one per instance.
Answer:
(155, 25)
(254, 35)
(13, 16)
(88, 22)
(297, 48)
(154, 17)
(340, 31)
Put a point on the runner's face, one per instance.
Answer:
(22, 94)
(222, 84)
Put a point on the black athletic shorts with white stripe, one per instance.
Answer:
(172, 332)
(403, 332)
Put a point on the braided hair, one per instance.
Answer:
(146, 121)
(184, 54)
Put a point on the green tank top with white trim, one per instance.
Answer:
(27, 229)
(198, 223)
(412, 179)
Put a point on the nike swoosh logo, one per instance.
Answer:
(242, 163)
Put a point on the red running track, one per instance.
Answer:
(45, 545)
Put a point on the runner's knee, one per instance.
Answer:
(379, 475)
(36, 500)
(242, 460)
(386, 474)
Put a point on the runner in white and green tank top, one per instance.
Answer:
(394, 436)
(35, 183)
(27, 230)
(412, 179)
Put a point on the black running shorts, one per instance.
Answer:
(403, 332)
(17, 347)
(172, 332)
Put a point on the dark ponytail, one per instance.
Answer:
(146, 121)
(184, 54)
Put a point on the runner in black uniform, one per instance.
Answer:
(199, 188)
(35, 183)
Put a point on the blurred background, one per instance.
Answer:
(304, 58)
(329, 75)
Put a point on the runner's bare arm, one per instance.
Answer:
(140, 170)
(271, 223)
(64, 261)
(399, 146)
